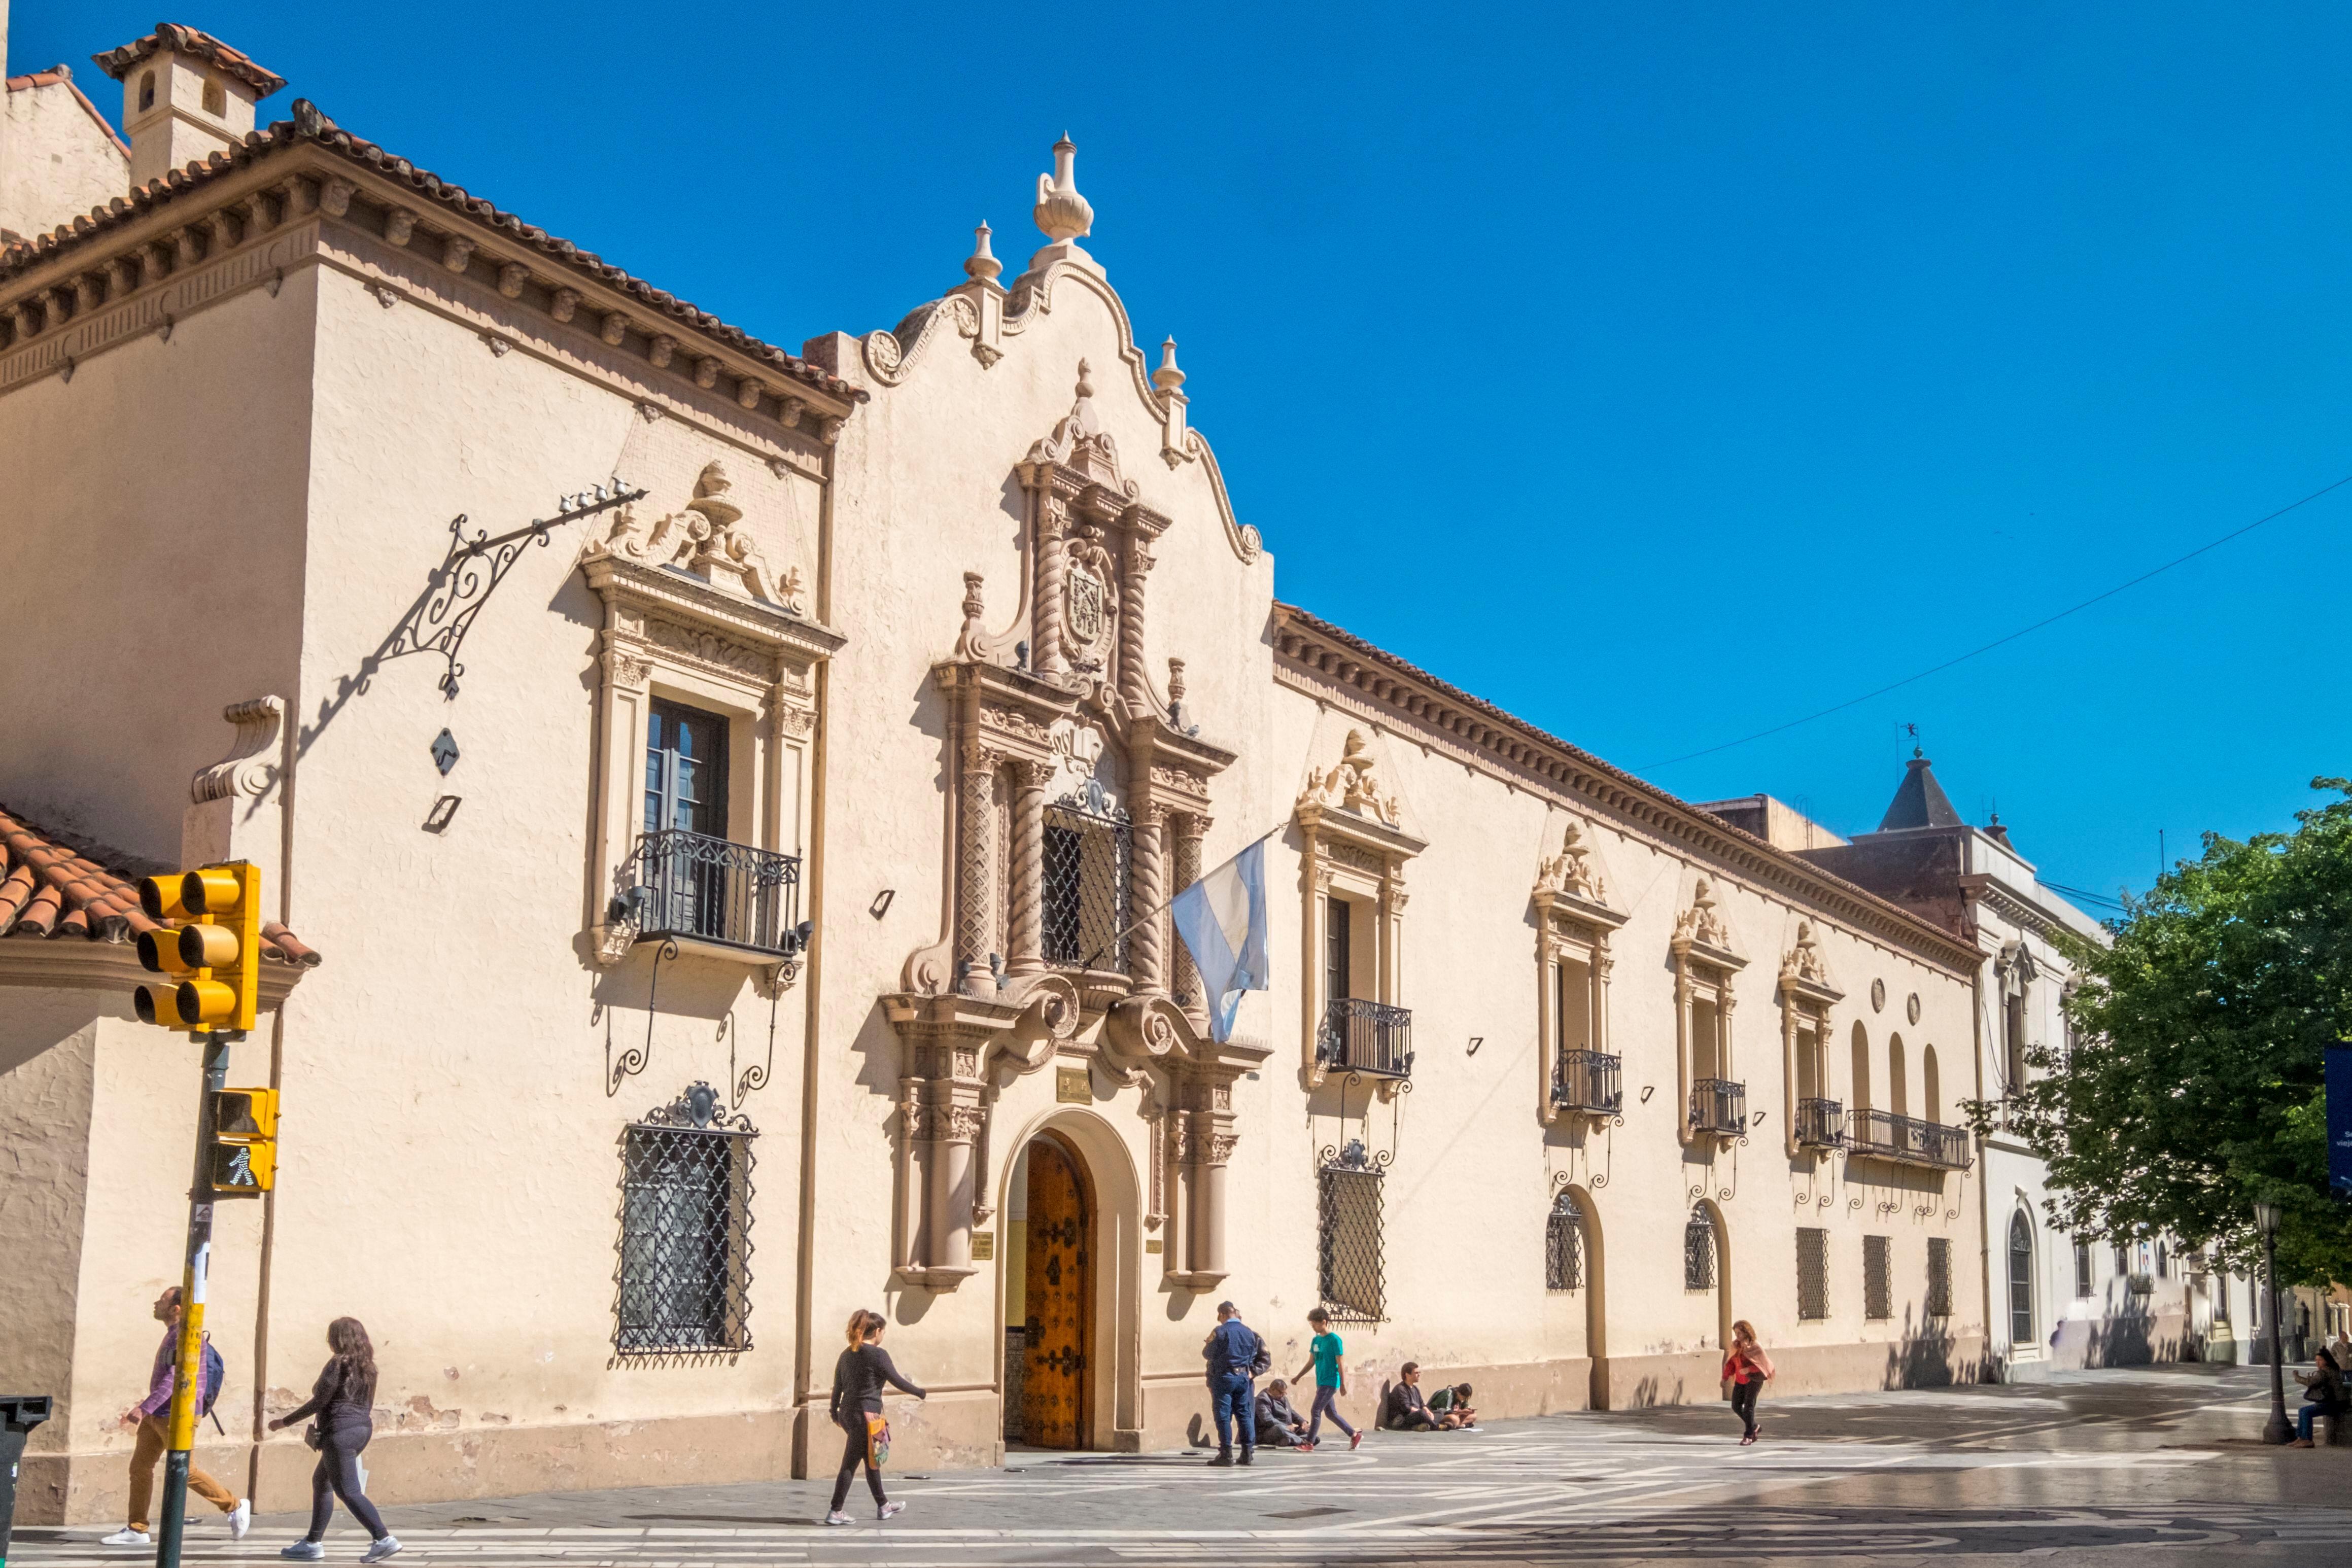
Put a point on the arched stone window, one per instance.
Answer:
(2021, 1283)
(1931, 1086)
(1698, 1250)
(1564, 1245)
(1861, 1066)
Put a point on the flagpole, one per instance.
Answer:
(1136, 923)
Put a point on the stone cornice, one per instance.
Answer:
(1982, 887)
(283, 175)
(1321, 661)
(71, 964)
(659, 591)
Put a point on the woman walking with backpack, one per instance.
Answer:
(341, 1401)
(858, 1381)
(1747, 1368)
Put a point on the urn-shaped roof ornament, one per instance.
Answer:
(1168, 378)
(984, 266)
(1061, 212)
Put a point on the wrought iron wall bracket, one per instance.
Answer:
(471, 571)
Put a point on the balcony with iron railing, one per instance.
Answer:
(1906, 1140)
(1719, 1106)
(1588, 1081)
(1370, 1038)
(1821, 1124)
(714, 895)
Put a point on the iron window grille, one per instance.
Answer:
(1371, 1038)
(2021, 1283)
(1908, 1140)
(1588, 1081)
(1940, 1278)
(1348, 1250)
(1719, 1106)
(1699, 1252)
(1090, 853)
(1877, 1280)
(684, 1279)
(694, 885)
(1821, 1124)
(1564, 1245)
(1813, 1273)
(2083, 1285)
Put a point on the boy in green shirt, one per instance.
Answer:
(1331, 1377)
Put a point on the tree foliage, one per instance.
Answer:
(2193, 1084)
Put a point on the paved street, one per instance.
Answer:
(2092, 1468)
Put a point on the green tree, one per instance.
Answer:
(2194, 1081)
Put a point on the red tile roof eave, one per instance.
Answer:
(1804, 869)
(50, 889)
(43, 249)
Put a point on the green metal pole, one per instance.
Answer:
(188, 1378)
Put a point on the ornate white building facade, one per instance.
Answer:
(741, 884)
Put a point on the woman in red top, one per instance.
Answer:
(1747, 1368)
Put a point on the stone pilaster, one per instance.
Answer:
(976, 864)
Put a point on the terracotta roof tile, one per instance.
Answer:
(58, 885)
(117, 63)
(311, 126)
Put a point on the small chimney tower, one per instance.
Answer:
(185, 96)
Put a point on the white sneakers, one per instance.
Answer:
(302, 1551)
(240, 1519)
(837, 1517)
(379, 1550)
(126, 1536)
(888, 1509)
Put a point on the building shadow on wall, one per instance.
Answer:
(1660, 1389)
(1928, 1356)
(2133, 1336)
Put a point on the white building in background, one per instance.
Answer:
(2052, 1301)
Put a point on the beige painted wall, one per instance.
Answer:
(56, 162)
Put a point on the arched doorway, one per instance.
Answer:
(1057, 1316)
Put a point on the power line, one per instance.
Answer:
(2013, 636)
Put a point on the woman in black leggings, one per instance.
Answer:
(857, 1380)
(340, 1400)
(1747, 1368)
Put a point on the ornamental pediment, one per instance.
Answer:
(1702, 932)
(1805, 973)
(1572, 887)
(1349, 803)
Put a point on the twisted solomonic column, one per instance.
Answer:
(1147, 971)
(1132, 688)
(1189, 827)
(1046, 622)
(976, 861)
(1027, 901)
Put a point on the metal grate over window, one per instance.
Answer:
(1940, 1278)
(1877, 1278)
(1699, 1252)
(1348, 1260)
(684, 1274)
(1813, 1273)
(1564, 1245)
(1088, 854)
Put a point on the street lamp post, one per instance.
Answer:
(2266, 1220)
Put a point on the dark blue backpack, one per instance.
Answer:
(209, 1381)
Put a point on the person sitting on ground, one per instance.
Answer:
(2324, 1395)
(1277, 1423)
(1403, 1410)
(1452, 1408)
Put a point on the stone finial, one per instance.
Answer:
(1175, 679)
(971, 644)
(984, 266)
(1061, 212)
(1085, 388)
(1168, 378)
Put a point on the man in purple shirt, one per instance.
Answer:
(153, 1416)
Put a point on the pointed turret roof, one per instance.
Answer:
(1919, 801)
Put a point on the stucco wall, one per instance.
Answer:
(57, 162)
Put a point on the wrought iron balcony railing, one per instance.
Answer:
(1587, 1081)
(1821, 1124)
(683, 885)
(1719, 1106)
(1906, 1140)
(1365, 1037)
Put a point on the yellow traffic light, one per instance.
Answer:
(214, 956)
(243, 1159)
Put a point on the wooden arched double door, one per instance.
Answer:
(1059, 1280)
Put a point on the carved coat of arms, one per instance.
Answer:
(1085, 610)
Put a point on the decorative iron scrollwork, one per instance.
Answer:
(700, 1108)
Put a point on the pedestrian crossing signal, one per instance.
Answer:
(243, 1158)
(209, 947)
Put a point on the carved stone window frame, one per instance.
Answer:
(1809, 998)
(1574, 919)
(671, 636)
(1351, 845)
(1705, 964)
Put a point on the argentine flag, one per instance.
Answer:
(1221, 918)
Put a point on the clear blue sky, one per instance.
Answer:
(1661, 372)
